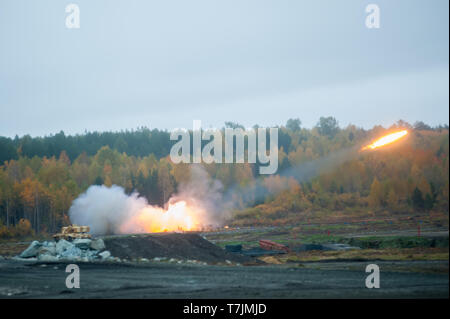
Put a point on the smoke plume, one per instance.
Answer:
(109, 210)
(303, 172)
(198, 204)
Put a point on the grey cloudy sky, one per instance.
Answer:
(165, 63)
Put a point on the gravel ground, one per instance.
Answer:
(165, 280)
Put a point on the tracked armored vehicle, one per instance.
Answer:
(73, 232)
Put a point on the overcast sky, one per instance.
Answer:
(165, 63)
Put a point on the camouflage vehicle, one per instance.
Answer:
(73, 232)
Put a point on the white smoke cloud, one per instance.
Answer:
(109, 210)
(105, 209)
(204, 192)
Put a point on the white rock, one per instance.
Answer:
(98, 244)
(72, 252)
(32, 250)
(49, 244)
(104, 254)
(89, 253)
(47, 250)
(63, 245)
(82, 243)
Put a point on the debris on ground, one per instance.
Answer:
(271, 245)
(105, 254)
(78, 250)
(181, 248)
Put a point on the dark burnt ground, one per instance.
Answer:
(171, 245)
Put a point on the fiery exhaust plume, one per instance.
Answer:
(385, 140)
(179, 216)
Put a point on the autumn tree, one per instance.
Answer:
(376, 196)
(417, 199)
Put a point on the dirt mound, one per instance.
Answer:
(171, 245)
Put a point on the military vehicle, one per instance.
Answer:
(73, 232)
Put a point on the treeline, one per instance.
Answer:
(140, 142)
(411, 175)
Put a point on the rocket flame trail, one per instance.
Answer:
(385, 140)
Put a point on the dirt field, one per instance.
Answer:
(164, 280)
(417, 272)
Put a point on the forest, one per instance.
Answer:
(40, 176)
